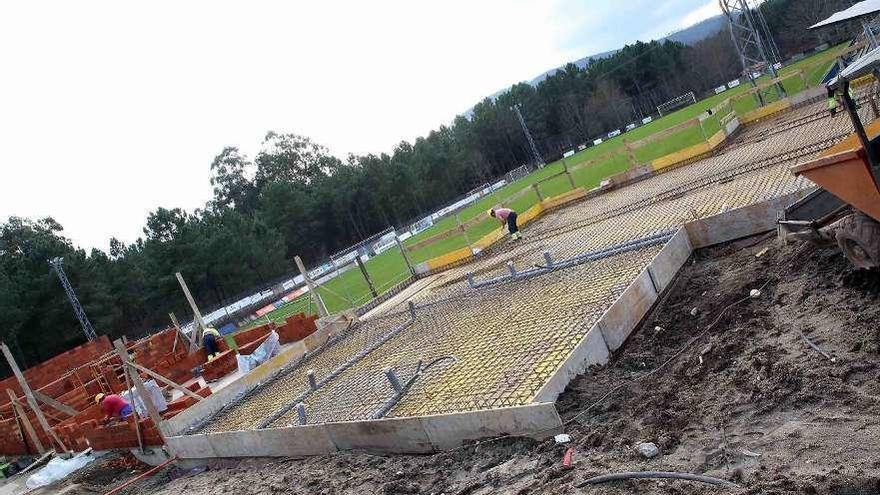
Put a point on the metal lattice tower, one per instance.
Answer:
(537, 156)
(57, 264)
(753, 41)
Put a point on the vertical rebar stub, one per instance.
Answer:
(470, 279)
(310, 374)
(548, 259)
(511, 269)
(412, 309)
(301, 413)
(392, 379)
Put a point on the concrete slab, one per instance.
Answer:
(191, 447)
(396, 435)
(405, 295)
(629, 309)
(670, 259)
(276, 442)
(741, 222)
(592, 350)
(447, 431)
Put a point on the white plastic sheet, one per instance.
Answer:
(57, 469)
(155, 394)
(266, 351)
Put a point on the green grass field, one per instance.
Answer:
(386, 270)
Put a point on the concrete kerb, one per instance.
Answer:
(397, 435)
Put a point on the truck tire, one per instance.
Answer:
(858, 236)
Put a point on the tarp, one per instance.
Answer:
(155, 394)
(867, 7)
(227, 328)
(267, 350)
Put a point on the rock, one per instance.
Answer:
(648, 450)
(694, 311)
(755, 293)
(658, 329)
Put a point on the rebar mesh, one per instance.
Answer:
(508, 339)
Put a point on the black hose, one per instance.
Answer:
(605, 478)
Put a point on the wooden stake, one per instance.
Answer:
(141, 389)
(198, 323)
(29, 395)
(313, 288)
(57, 405)
(137, 419)
(16, 407)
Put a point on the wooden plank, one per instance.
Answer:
(141, 389)
(17, 409)
(198, 323)
(57, 405)
(29, 395)
(166, 381)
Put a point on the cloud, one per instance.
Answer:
(707, 10)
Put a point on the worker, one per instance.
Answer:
(507, 216)
(114, 406)
(209, 342)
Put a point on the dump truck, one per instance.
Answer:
(846, 205)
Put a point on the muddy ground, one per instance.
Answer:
(748, 400)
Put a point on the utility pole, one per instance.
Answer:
(57, 264)
(753, 41)
(535, 155)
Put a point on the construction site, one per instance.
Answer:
(706, 323)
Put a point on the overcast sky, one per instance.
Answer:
(109, 110)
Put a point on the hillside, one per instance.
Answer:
(688, 36)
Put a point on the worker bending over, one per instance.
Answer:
(508, 216)
(114, 406)
(209, 342)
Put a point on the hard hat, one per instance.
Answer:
(99, 398)
(491, 211)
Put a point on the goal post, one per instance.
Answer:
(676, 103)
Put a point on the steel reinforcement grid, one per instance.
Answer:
(500, 343)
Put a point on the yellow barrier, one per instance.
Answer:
(765, 111)
(449, 258)
(716, 139)
(564, 198)
(680, 156)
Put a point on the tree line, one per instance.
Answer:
(295, 198)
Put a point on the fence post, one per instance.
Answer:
(405, 256)
(366, 275)
(630, 154)
(463, 230)
(313, 288)
(538, 192)
(568, 174)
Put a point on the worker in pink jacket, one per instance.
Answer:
(507, 216)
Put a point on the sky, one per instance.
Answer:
(109, 109)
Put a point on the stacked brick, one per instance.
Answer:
(120, 434)
(75, 376)
(296, 328)
(178, 405)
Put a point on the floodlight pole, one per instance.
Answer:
(753, 41)
(57, 264)
(522, 122)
